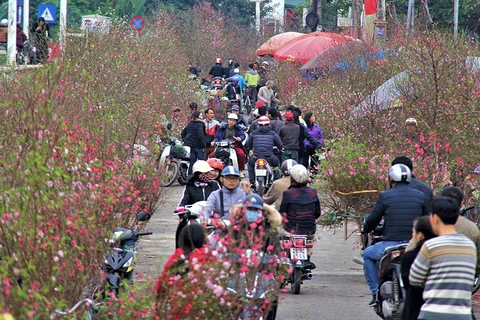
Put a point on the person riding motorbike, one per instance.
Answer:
(241, 120)
(199, 186)
(217, 70)
(274, 195)
(398, 206)
(217, 167)
(219, 201)
(231, 131)
(301, 207)
(261, 142)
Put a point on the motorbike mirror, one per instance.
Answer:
(169, 126)
(143, 216)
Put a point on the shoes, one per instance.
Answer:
(373, 303)
(309, 264)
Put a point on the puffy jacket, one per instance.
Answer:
(252, 78)
(230, 197)
(274, 194)
(262, 140)
(290, 135)
(399, 206)
(197, 191)
(221, 132)
(211, 130)
(276, 125)
(241, 82)
(217, 71)
(317, 134)
(301, 207)
(194, 135)
(419, 185)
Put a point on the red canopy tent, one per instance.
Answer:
(276, 42)
(304, 48)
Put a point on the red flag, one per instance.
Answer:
(370, 7)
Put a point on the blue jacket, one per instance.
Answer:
(241, 82)
(399, 206)
(213, 205)
(221, 131)
(262, 140)
(419, 185)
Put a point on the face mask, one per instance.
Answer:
(204, 177)
(252, 215)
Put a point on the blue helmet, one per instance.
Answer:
(230, 171)
(253, 201)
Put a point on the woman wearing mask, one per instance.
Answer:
(217, 167)
(316, 132)
(199, 186)
(194, 136)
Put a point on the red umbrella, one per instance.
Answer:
(276, 42)
(304, 48)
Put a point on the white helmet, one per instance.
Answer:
(201, 166)
(233, 116)
(263, 121)
(236, 70)
(4, 22)
(299, 173)
(400, 173)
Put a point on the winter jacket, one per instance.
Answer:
(419, 185)
(267, 95)
(231, 91)
(3, 34)
(242, 121)
(252, 78)
(276, 125)
(221, 132)
(305, 135)
(316, 133)
(211, 130)
(241, 82)
(21, 37)
(261, 141)
(217, 71)
(290, 135)
(230, 197)
(399, 206)
(194, 134)
(197, 191)
(300, 207)
(274, 194)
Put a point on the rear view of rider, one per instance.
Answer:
(275, 192)
(199, 187)
(399, 206)
(221, 200)
(217, 69)
(301, 207)
(261, 142)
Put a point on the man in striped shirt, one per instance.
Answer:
(445, 266)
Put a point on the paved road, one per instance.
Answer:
(337, 290)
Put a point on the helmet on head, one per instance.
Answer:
(287, 165)
(233, 116)
(299, 173)
(230, 171)
(253, 201)
(218, 60)
(215, 164)
(411, 121)
(201, 166)
(236, 70)
(224, 99)
(263, 121)
(400, 173)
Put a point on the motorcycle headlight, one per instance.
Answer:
(128, 263)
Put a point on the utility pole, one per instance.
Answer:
(26, 17)
(355, 5)
(12, 32)
(410, 16)
(455, 19)
(257, 13)
(63, 23)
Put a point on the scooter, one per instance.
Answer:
(121, 258)
(225, 151)
(296, 248)
(263, 176)
(174, 162)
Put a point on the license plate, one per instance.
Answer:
(298, 253)
(261, 172)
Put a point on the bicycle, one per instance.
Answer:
(91, 309)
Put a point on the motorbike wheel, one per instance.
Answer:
(260, 187)
(168, 176)
(296, 280)
(182, 177)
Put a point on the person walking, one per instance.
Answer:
(252, 79)
(445, 266)
(211, 126)
(399, 206)
(41, 35)
(290, 135)
(316, 132)
(194, 136)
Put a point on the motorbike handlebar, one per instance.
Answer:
(90, 305)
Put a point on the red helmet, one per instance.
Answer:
(215, 163)
(219, 60)
(263, 121)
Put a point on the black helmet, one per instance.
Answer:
(286, 165)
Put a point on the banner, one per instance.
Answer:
(370, 7)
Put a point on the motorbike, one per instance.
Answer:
(188, 214)
(174, 162)
(225, 151)
(263, 176)
(296, 248)
(120, 260)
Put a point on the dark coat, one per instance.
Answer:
(301, 207)
(414, 295)
(194, 193)
(217, 71)
(419, 185)
(399, 206)
(194, 134)
(290, 135)
(221, 131)
(262, 140)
